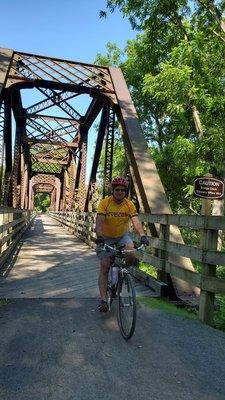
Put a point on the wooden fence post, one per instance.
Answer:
(206, 304)
(164, 234)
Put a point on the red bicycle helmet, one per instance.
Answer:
(119, 181)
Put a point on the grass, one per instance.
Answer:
(3, 302)
(161, 303)
(149, 269)
(219, 316)
(187, 312)
(164, 305)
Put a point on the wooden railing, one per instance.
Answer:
(13, 223)
(206, 253)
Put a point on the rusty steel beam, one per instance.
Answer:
(53, 99)
(2, 156)
(148, 183)
(97, 153)
(8, 132)
(52, 118)
(20, 121)
(109, 143)
(36, 126)
(64, 105)
(7, 138)
(92, 112)
(72, 174)
(40, 159)
(5, 62)
(32, 66)
(43, 187)
(52, 142)
(83, 167)
(145, 175)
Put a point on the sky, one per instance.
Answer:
(66, 29)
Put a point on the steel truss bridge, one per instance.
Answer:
(45, 134)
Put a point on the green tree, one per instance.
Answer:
(113, 57)
(175, 72)
(42, 202)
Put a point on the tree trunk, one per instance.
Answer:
(195, 113)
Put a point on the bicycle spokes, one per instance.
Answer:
(126, 307)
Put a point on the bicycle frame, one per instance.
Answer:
(124, 282)
(117, 258)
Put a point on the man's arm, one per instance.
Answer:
(137, 225)
(99, 224)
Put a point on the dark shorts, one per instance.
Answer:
(125, 239)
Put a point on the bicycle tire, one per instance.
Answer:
(111, 294)
(126, 314)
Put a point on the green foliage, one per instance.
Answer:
(219, 316)
(173, 67)
(3, 302)
(178, 166)
(167, 307)
(112, 58)
(46, 167)
(119, 159)
(149, 269)
(42, 202)
(175, 71)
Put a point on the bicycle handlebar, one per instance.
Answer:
(106, 247)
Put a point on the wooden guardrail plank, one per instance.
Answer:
(188, 221)
(9, 236)
(186, 275)
(15, 229)
(11, 224)
(193, 252)
(213, 284)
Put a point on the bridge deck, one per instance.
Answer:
(52, 263)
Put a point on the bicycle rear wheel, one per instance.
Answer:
(126, 306)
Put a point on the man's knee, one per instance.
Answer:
(104, 265)
(129, 246)
(131, 257)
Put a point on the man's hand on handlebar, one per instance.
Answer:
(144, 240)
(100, 241)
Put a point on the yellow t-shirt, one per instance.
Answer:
(117, 216)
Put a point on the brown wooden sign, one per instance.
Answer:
(209, 188)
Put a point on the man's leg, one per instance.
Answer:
(130, 257)
(103, 279)
(129, 245)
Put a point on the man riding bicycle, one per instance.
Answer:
(114, 214)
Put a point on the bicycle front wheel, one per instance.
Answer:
(126, 306)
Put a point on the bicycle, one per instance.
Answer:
(121, 287)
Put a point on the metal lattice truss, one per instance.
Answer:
(42, 95)
(43, 183)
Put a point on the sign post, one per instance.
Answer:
(208, 189)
